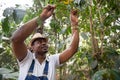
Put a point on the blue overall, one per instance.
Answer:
(32, 77)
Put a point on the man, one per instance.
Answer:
(36, 65)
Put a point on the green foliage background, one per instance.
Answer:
(98, 55)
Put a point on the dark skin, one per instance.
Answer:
(40, 47)
(20, 35)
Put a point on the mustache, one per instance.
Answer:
(42, 46)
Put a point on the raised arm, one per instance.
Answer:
(69, 52)
(20, 35)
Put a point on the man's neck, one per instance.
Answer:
(40, 58)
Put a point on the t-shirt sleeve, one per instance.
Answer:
(55, 59)
(28, 57)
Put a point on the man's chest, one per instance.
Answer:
(39, 69)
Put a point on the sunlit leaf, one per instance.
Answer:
(4, 71)
(11, 75)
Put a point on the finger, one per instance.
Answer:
(54, 6)
(74, 12)
(49, 7)
(52, 9)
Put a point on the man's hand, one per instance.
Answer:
(74, 18)
(47, 12)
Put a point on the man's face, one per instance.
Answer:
(40, 46)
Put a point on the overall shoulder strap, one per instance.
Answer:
(31, 67)
(46, 68)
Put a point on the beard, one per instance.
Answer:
(45, 50)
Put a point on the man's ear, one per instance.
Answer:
(31, 48)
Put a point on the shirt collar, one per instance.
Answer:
(46, 59)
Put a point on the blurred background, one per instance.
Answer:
(98, 56)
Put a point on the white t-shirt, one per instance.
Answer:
(24, 66)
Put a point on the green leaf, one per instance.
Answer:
(8, 12)
(116, 27)
(63, 30)
(94, 64)
(1, 77)
(4, 71)
(18, 15)
(106, 74)
(84, 36)
(79, 3)
(116, 74)
(5, 25)
(11, 75)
